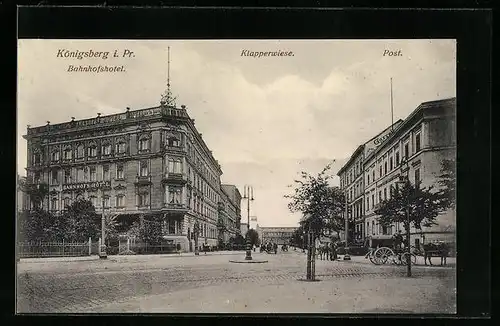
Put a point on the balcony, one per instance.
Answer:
(176, 207)
(178, 178)
(142, 180)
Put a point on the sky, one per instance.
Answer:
(265, 119)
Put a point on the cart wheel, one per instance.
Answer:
(383, 254)
(404, 260)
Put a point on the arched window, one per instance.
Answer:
(92, 150)
(120, 200)
(121, 146)
(67, 153)
(53, 203)
(80, 151)
(144, 143)
(55, 156)
(106, 148)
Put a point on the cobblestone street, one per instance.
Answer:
(210, 283)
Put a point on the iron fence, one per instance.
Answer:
(53, 249)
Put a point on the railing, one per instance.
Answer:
(53, 249)
(144, 113)
(145, 249)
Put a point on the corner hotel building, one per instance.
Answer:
(148, 161)
(425, 138)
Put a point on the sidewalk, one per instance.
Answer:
(125, 257)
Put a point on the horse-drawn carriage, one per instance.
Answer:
(436, 249)
(383, 249)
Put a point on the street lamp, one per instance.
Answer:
(248, 195)
(404, 179)
(102, 249)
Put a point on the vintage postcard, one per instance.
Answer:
(236, 176)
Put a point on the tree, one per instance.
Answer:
(147, 229)
(81, 221)
(35, 225)
(254, 237)
(297, 237)
(111, 225)
(237, 240)
(422, 204)
(447, 181)
(321, 206)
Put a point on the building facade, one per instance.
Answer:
(278, 235)
(147, 161)
(21, 197)
(352, 181)
(424, 139)
(229, 213)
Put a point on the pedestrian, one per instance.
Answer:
(275, 248)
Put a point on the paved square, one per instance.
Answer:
(211, 284)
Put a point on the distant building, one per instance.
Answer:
(229, 213)
(278, 235)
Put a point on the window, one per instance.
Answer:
(93, 200)
(143, 199)
(174, 165)
(174, 195)
(407, 150)
(144, 169)
(80, 175)
(93, 173)
(373, 200)
(80, 151)
(173, 140)
(106, 176)
(368, 181)
(397, 158)
(373, 175)
(385, 167)
(171, 227)
(119, 171)
(67, 176)
(417, 142)
(53, 204)
(143, 144)
(106, 149)
(67, 154)
(417, 177)
(55, 179)
(380, 196)
(120, 147)
(55, 156)
(120, 201)
(92, 151)
(390, 164)
(373, 227)
(36, 158)
(380, 171)
(67, 202)
(106, 201)
(367, 203)
(385, 193)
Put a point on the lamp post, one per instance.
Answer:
(102, 249)
(248, 195)
(404, 179)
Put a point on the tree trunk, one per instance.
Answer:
(309, 263)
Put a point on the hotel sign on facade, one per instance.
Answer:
(87, 185)
(373, 143)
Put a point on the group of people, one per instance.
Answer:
(269, 247)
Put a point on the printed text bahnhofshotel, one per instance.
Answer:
(95, 69)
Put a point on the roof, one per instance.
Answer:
(423, 106)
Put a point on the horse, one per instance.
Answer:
(436, 250)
